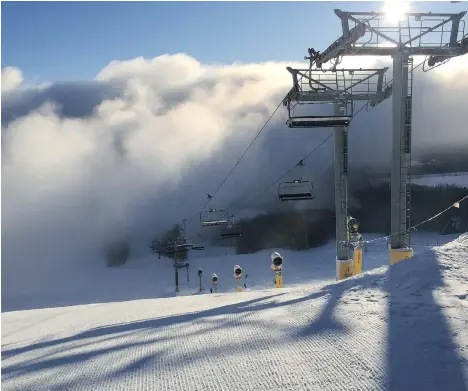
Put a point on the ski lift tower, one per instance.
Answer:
(340, 88)
(439, 37)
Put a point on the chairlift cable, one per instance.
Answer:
(245, 152)
(287, 172)
(297, 164)
(414, 68)
(310, 153)
(239, 160)
(211, 196)
(420, 223)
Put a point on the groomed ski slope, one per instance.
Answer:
(398, 328)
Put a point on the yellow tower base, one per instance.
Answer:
(357, 261)
(279, 281)
(399, 254)
(344, 269)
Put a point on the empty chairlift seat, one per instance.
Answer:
(213, 217)
(295, 191)
(197, 244)
(233, 231)
(183, 247)
(319, 121)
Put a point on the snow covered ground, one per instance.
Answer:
(150, 277)
(398, 328)
(459, 179)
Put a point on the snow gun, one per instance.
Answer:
(238, 277)
(214, 282)
(200, 276)
(277, 267)
(356, 242)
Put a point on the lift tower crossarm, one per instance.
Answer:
(389, 51)
(456, 45)
(345, 15)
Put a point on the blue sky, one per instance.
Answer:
(73, 40)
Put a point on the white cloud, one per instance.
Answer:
(147, 155)
(11, 79)
(70, 182)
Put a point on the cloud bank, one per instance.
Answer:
(137, 149)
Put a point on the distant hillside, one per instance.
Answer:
(302, 229)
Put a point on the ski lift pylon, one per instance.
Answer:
(295, 190)
(213, 217)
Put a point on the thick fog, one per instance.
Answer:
(139, 147)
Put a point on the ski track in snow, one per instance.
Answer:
(398, 328)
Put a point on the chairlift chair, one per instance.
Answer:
(197, 244)
(184, 246)
(321, 121)
(213, 217)
(233, 231)
(295, 190)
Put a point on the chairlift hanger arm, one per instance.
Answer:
(387, 94)
(287, 99)
(338, 47)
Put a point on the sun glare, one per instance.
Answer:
(395, 10)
